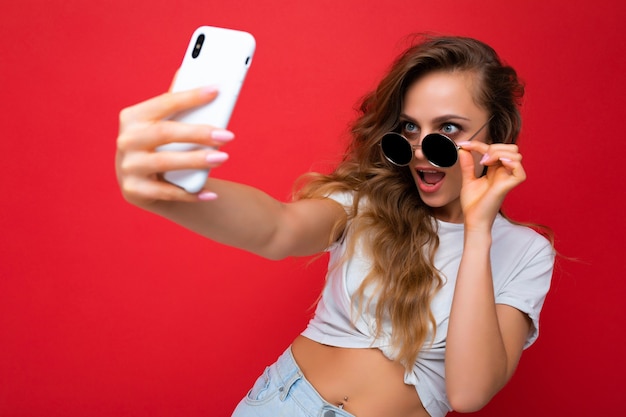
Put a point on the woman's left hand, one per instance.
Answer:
(482, 197)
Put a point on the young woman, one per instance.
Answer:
(431, 293)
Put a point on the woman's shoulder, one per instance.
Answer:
(518, 235)
(343, 197)
(347, 199)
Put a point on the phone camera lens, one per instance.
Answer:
(198, 46)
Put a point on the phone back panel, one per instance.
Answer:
(222, 61)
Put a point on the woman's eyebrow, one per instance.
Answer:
(438, 119)
(407, 118)
(448, 117)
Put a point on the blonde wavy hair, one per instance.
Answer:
(396, 228)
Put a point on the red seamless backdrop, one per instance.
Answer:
(106, 310)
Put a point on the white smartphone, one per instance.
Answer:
(214, 57)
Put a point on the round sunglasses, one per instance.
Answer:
(439, 149)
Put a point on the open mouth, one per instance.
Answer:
(429, 177)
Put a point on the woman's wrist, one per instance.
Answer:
(476, 237)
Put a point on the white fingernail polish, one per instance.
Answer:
(207, 196)
(215, 157)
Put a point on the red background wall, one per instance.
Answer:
(108, 311)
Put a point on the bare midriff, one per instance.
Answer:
(362, 381)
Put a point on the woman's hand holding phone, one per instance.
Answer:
(167, 145)
(146, 126)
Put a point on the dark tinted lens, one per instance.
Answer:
(396, 149)
(439, 150)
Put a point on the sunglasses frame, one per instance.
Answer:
(431, 144)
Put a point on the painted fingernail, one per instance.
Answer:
(215, 157)
(461, 144)
(505, 160)
(484, 159)
(207, 196)
(210, 89)
(222, 135)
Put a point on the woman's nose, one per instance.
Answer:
(417, 149)
(416, 141)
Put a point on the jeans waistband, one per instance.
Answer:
(288, 372)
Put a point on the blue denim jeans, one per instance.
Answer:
(282, 391)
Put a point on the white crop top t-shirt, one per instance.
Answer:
(522, 262)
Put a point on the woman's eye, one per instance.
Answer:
(410, 127)
(450, 129)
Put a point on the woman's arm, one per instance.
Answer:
(247, 218)
(226, 212)
(485, 340)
